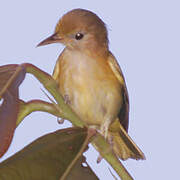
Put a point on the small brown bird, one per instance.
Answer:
(91, 80)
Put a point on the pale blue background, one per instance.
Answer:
(144, 37)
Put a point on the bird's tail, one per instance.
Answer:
(122, 144)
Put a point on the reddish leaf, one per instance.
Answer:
(11, 77)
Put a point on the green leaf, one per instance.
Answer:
(99, 142)
(27, 108)
(61, 109)
(49, 157)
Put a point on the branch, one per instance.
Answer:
(67, 113)
(27, 108)
(50, 84)
(106, 152)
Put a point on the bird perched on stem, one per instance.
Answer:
(91, 80)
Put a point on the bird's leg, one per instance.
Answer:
(104, 128)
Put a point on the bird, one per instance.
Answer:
(91, 80)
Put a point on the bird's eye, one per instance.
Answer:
(79, 36)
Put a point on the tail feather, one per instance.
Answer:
(123, 145)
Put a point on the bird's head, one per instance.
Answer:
(79, 29)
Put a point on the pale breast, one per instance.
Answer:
(93, 90)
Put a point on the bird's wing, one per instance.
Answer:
(55, 74)
(124, 111)
(123, 146)
(56, 71)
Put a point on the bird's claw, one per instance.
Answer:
(66, 99)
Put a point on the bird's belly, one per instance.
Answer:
(94, 99)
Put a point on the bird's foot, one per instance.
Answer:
(111, 141)
(66, 99)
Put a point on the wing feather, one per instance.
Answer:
(124, 111)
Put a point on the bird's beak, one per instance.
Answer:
(52, 39)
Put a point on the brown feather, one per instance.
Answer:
(123, 114)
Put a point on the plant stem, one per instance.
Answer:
(27, 108)
(50, 84)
